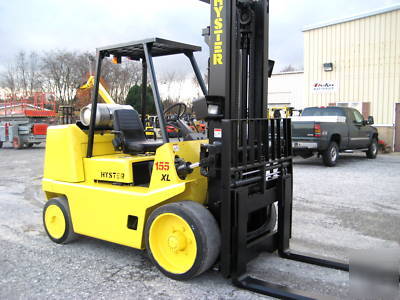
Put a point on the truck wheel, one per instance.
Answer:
(372, 151)
(17, 143)
(57, 221)
(182, 239)
(331, 155)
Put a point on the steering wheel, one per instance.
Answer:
(181, 109)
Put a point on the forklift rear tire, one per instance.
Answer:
(17, 143)
(182, 239)
(331, 155)
(57, 221)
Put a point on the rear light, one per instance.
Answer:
(317, 130)
(39, 129)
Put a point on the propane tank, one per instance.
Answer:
(103, 115)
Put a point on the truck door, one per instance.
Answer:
(358, 136)
(365, 132)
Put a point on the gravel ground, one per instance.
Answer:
(355, 205)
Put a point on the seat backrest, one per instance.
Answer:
(128, 122)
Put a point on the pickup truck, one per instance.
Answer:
(330, 130)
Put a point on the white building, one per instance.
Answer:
(353, 62)
(286, 89)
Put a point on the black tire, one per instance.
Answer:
(331, 155)
(29, 145)
(69, 234)
(372, 151)
(1, 144)
(205, 230)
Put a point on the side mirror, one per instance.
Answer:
(370, 120)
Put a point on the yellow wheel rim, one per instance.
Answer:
(55, 221)
(172, 243)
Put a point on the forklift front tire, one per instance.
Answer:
(57, 221)
(182, 239)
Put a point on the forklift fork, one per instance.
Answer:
(284, 251)
(256, 172)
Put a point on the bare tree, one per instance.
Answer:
(168, 78)
(196, 83)
(8, 79)
(23, 74)
(34, 76)
(179, 82)
(63, 72)
(120, 78)
(289, 68)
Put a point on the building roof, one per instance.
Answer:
(289, 72)
(353, 17)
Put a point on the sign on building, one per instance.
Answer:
(324, 86)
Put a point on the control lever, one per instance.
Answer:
(184, 168)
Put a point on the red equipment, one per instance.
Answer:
(39, 128)
(38, 104)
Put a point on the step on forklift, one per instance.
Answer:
(191, 204)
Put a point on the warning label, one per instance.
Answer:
(217, 133)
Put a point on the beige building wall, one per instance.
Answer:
(365, 53)
(286, 89)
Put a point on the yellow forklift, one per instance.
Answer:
(216, 200)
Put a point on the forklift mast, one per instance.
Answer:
(238, 40)
(249, 157)
(256, 164)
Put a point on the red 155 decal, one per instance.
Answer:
(162, 165)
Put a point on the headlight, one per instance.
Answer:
(208, 107)
(213, 109)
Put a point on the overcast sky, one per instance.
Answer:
(86, 24)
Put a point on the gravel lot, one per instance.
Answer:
(355, 205)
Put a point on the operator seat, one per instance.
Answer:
(129, 133)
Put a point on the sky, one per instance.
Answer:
(37, 25)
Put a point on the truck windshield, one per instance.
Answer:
(323, 111)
